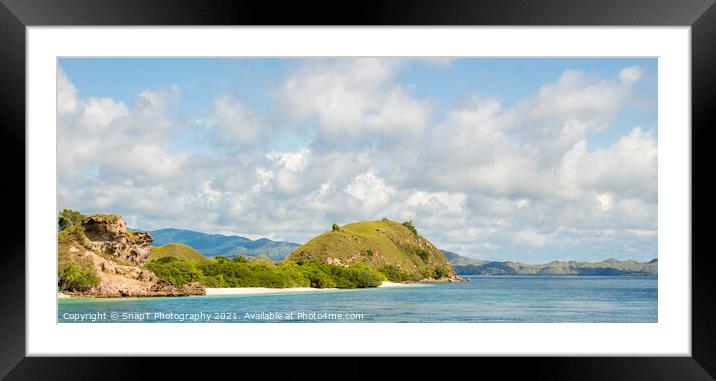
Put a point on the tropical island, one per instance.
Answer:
(99, 257)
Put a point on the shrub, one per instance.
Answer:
(357, 276)
(320, 279)
(423, 254)
(394, 274)
(222, 272)
(441, 272)
(71, 233)
(68, 217)
(335, 228)
(175, 271)
(410, 226)
(73, 277)
(217, 281)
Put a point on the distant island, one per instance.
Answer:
(610, 267)
(99, 257)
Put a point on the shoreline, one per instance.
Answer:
(249, 291)
(266, 290)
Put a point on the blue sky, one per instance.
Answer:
(284, 147)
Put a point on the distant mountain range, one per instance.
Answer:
(468, 266)
(213, 245)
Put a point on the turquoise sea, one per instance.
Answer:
(484, 299)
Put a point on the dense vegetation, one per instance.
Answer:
(257, 272)
(73, 273)
(74, 276)
(68, 217)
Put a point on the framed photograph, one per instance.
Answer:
(414, 183)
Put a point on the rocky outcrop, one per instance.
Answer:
(108, 235)
(117, 256)
(447, 279)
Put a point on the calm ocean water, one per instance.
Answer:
(485, 299)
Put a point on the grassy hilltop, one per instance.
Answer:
(176, 250)
(394, 249)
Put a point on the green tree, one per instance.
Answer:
(410, 226)
(73, 278)
(441, 272)
(423, 254)
(336, 228)
(68, 217)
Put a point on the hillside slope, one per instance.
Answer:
(383, 244)
(213, 245)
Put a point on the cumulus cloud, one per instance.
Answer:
(437, 202)
(66, 94)
(370, 190)
(488, 179)
(353, 100)
(234, 123)
(628, 167)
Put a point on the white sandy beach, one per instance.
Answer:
(264, 290)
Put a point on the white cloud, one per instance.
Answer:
(605, 200)
(530, 238)
(627, 167)
(370, 190)
(66, 94)
(630, 75)
(101, 112)
(234, 123)
(642, 233)
(487, 178)
(353, 99)
(442, 62)
(293, 161)
(575, 98)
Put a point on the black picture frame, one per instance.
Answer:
(700, 15)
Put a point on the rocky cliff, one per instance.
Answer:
(99, 257)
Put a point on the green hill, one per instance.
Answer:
(176, 250)
(395, 249)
